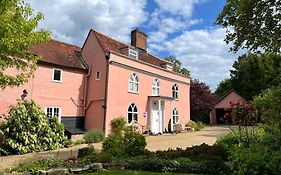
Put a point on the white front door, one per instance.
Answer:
(157, 117)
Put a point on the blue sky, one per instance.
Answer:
(181, 28)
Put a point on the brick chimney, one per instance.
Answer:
(138, 39)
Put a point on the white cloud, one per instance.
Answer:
(204, 53)
(70, 20)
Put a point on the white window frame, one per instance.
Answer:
(98, 74)
(133, 85)
(175, 90)
(53, 108)
(132, 112)
(133, 54)
(176, 117)
(53, 77)
(155, 87)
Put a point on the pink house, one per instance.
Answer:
(103, 80)
(224, 106)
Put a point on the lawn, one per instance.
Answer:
(126, 172)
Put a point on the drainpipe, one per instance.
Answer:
(107, 57)
(86, 90)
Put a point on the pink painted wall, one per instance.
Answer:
(45, 92)
(119, 98)
(94, 57)
(225, 103)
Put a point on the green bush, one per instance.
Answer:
(113, 145)
(86, 151)
(44, 164)
(79, 142)
(196, 126)
(94, 136)
(118, 125)
(134, 143)
(28, 129)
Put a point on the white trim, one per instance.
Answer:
(175, 88)
(133, 53)
(53, 76)
(53, 107)
(135, 83)
(156, 87)
(132, 112)
(176, 121)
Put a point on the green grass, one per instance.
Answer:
(126, 172)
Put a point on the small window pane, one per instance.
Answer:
(97, 75)
(57, 75)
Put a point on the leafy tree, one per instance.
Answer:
(252, 24)
(223, 87)
(178, 65)
(269, 102)
(18, 32)
(253, 73)
(201, 101)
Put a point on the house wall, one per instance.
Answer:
(94, 57)
(45, 92)
(232, 97)
(119, 98)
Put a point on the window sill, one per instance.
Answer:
(131, 92)
(55, 81)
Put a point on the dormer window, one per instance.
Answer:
(167, 66)
(133, 54)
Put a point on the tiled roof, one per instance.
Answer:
(59, 53)
(109, 44)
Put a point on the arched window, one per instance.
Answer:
(175, 116)
(132, 113)
(155, 87)
(133, 83)
(175, 91)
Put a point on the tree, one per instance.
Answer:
(252, 24)
(178, 65)
(18, 32)
(223, 87)
(201, 101)
(253, 73)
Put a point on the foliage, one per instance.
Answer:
(118, 125)
(44, 164)
(94, 136)
(253, 73)
(134, 143)
(201, 101)
(196, 126)
(17, 19)
(178, 65)
(28, 129)
(129, 144)
(86, 151)
(79, 142)
(223, 88)
(253, 24)
(113, 145)
(269, 102)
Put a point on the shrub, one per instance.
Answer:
(94, 136)
(129, 144)
(79, 142)
(28, 129)
(113, 145)
(134, 143)
(86, 151)
(118, 125)
(44, 164)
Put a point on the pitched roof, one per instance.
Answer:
(59, 53)
(109, 44)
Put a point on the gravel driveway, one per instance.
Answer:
(208, 135)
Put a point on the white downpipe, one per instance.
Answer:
(172, 120)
